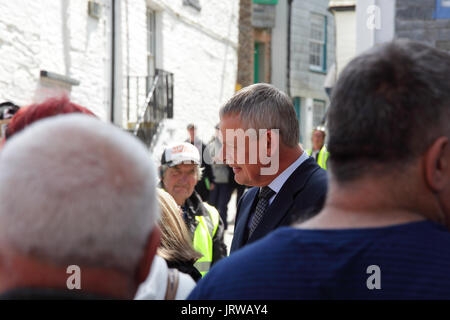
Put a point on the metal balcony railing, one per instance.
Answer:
(145, 116)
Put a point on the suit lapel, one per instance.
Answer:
(246, 205)
(284, 200)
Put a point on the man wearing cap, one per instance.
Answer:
(319, 151)
(180, 171)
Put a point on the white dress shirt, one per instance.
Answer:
(279, 181)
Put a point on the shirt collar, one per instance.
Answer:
(279, 181)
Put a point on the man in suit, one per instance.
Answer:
(383, 232)
(288, 185)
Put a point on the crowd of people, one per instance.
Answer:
(365, 216)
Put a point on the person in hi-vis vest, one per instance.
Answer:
(179, 172)
(319, 151)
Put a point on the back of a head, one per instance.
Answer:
(176, 244)
(262, 106)
(77, 191)
(49, 108)
(388, 106)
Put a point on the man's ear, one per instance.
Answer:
(273, 142)
(149, 253)
(436, 164)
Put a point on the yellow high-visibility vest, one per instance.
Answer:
(323, 157)
(203, 238)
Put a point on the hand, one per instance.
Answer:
(212, 186)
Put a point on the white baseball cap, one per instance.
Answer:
(179, 153)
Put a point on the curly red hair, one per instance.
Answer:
(50, 107)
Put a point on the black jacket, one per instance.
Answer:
(207, 174)
(301, 197)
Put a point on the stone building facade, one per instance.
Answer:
(362, 24)
(424, 20)
(304, 58)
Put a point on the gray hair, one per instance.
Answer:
(77, 191)
(262, 106)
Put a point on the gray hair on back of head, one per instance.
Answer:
(262, 106)
(77, 191)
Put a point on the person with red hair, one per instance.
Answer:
(34, 112)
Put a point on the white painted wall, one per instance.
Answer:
(375, 23)
(279, 46)
(200, 48)
(372, 23)
(345, 37)
(307, 122)
(57, 36)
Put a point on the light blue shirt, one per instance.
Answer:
(279, 181)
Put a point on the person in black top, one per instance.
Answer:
(207, 182)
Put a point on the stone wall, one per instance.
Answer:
(415, 21)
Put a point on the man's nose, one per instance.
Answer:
(184, 178)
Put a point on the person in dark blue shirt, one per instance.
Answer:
(383, 232)
(411, 259)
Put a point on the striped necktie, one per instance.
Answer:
(265, 193)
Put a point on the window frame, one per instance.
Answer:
(322, 43)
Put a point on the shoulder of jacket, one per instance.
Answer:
(210, 208)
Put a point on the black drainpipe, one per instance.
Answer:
(288, 73)
(113, 57)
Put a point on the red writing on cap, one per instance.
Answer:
(177, 149)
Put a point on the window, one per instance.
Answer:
(318, 43)
(318, 112)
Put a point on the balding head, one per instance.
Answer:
(77, 191)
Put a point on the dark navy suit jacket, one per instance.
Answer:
(301, 197)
